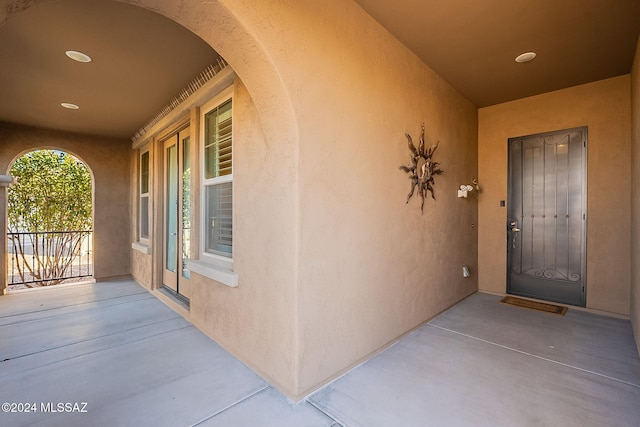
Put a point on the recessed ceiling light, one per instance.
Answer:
(69, 105)
(526, 57)
(78, 56)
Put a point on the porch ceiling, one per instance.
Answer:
(473, 44)
(141, 59)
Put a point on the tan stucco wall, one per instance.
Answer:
(332, 264)
(635, 195)
(108, 160)
(141, 268)
(371, 267)
(344, 267)
(604, 107)
(255, 320)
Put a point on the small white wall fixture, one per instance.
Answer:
(465, 189)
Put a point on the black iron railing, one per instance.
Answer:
(49, 257)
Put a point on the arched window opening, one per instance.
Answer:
(50, 220)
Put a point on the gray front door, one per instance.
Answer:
(546, 224)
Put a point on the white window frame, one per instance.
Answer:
(141, 195)
(216, 261)
(142, 244)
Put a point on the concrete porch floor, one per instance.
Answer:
(135, 362)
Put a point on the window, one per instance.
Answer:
(215, 258)
(186, 204)
(218, 181)
(144, 195)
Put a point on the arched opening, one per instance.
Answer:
(230, 30)
(49, 220)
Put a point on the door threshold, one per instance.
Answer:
(175, 297)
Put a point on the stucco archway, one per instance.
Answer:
(234, 30)
(220, 24)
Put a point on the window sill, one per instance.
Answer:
(141, 247)
(212, 271)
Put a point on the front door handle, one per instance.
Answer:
(514, 229)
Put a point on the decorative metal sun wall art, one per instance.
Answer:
(422, 168)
